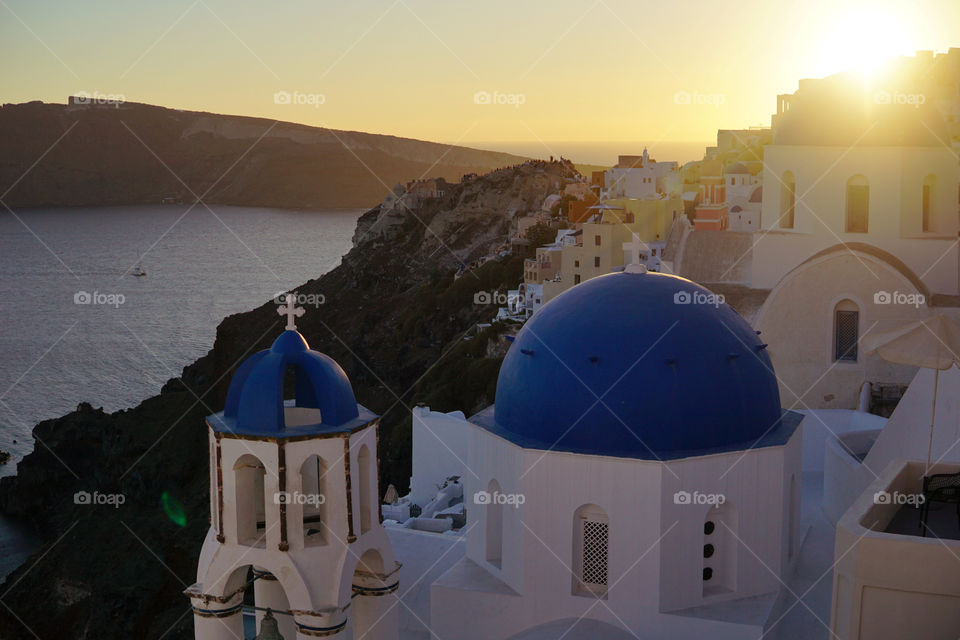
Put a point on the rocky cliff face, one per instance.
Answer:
(394, 318)
(138, 154)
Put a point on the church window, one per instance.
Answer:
(596, 240)
(846, 331)
(366, 473)
(494, 525)
(576, 278)
(792, 516)
(788, 200)
(858, 205)
(250, 500)
(720, 550)
(313, 480)
(596, 261)
(591, 550)
(926, 202)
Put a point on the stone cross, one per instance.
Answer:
(634, 247)
(291, 310)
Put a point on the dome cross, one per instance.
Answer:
(291, 310)
(634, 247)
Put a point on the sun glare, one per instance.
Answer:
(862, 41)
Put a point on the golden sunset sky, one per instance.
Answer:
(600, 70)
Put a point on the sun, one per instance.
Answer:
(862, 41)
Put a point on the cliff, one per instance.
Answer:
(85, 155)
(394, 318)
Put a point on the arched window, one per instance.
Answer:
(214, 491)
(846, 331)
(926, 201)
(720, 550)
(365, 488)
(591, 549)
(858, 205)
(250, 501)
(494, 525)
(792, 515)
(788, 200)
(313, 498)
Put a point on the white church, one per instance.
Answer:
(636, 477)
(655, 466)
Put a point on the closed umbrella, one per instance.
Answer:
(933, 343)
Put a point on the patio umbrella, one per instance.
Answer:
(933, 343)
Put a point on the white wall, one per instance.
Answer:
(896, 177)
(649, 572)
(439, 451)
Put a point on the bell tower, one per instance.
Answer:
(293, 504)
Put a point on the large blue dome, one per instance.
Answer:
(255, 403)
(636, 365)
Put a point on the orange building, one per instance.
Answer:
(577, 210)
(711, 212)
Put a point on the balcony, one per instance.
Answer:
(886, 567)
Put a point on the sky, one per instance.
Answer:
(517, 72)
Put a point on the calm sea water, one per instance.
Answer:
(134, 333)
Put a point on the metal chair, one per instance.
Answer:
(940, 487)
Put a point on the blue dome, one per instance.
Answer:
(255, 402)
(636, 365)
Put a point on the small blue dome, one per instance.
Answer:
(636, 365)
(255, 402)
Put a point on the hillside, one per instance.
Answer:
(394, 318)
(139, 154)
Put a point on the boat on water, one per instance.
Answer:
(138, 271)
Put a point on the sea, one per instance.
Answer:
(77, 326)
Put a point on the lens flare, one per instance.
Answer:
(174, 509)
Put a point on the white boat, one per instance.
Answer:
(138, 271)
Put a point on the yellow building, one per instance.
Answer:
(599, 245)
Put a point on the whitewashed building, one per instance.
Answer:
(294, 505)
(636, 471)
